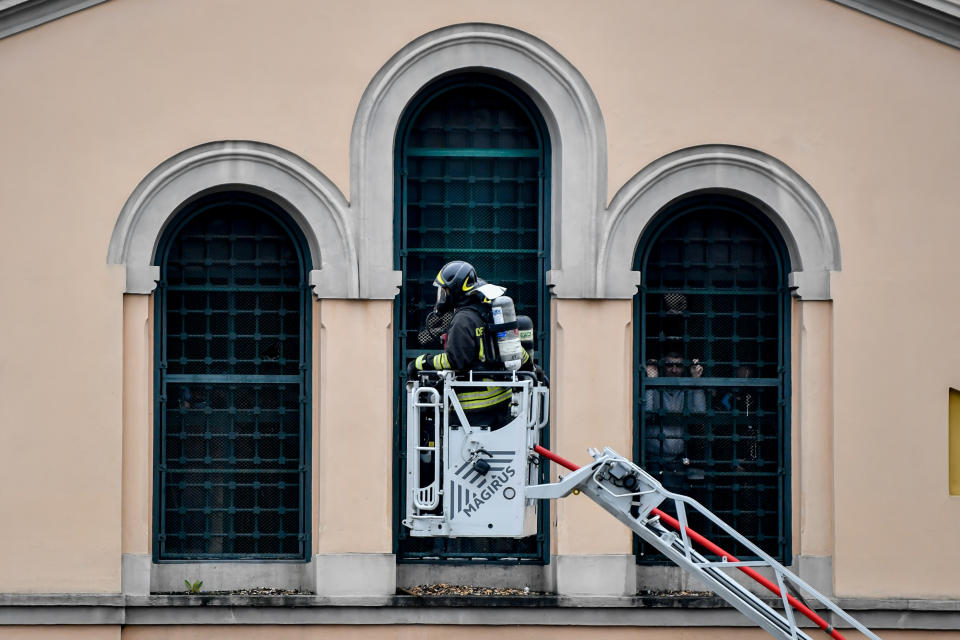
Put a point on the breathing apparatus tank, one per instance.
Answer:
(525, 328)
(508, 337)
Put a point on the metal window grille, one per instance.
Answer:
(471, 184)
(232, 379)
(715, 296)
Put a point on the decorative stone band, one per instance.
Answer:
(792, 205)
(314, 203)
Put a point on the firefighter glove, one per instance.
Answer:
(541, 375)
(418, 364)
(412, 370)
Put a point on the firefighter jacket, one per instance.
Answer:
(468, 347)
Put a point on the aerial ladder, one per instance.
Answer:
(481, 480)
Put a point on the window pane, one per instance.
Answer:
(471, 176)
(231, 462)
(711, 312)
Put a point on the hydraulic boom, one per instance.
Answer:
(632, 496)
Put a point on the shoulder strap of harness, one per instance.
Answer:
(486, 335)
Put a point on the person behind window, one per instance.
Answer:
(675, 400)
(667, 424)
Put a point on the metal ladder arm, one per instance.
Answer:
(632, 496)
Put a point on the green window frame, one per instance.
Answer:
(715, 295)
(232, 384)
(472, 183)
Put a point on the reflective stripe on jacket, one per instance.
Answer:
(484, 399)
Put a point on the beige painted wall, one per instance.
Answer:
(137, 486)
(355, 445)
(864, 111)
(60, 411)
(813, 429)
(592, 350)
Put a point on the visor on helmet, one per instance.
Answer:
(444, 301)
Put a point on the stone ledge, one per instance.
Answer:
(62, 600)
(402, 600)
(640, 611)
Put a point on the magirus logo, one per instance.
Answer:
(475, 486)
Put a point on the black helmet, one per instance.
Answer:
(456, 281)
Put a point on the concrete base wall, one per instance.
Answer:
(596, 575)
(135, 574)
(541, 578)
(355, 574)
(817, 571)
(345, 574)
(231, 576)
(666, 578)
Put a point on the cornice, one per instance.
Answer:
(19, 16)
(936, 19)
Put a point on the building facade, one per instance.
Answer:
(251, 200)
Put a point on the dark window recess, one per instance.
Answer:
(232, 381)
(714, 299)
(472, 174)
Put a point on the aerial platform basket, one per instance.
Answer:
(468, 479)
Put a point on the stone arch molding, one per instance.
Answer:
(312, 201)
(791, 204)
(574, 122)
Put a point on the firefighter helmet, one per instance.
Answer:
(456, 281)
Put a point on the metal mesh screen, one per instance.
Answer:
(711, 409)
(231, 460)
(451, 214)
(471, 184)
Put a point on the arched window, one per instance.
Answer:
(231, 466)
(712, 376)
(472, 183)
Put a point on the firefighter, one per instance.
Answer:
(468, 345)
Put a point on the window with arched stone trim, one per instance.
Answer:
(232, 392)
(712, 367)
(473, 184)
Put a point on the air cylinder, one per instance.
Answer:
(508, 337)
(525, 327)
